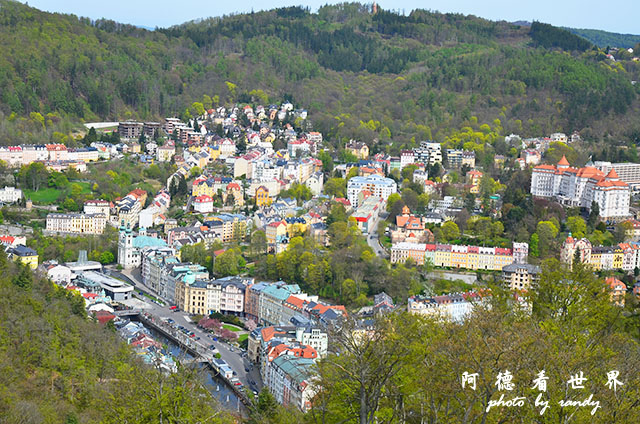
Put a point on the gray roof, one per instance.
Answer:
(531, 269)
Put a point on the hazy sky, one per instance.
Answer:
(612, 15)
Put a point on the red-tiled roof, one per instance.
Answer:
(563, 161)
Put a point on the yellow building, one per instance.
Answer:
(203, 188)
(262, 197)
(25, 255)
(358, 148)
(191, 297)
(474, 178)
(296, 226)
(618, 258)
(276, 231)
(235, 190)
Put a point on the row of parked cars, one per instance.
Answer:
(181, 328)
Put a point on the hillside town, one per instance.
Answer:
(251, 183)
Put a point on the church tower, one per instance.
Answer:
(125, 246)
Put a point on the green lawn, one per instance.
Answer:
(242, 337)
(45, 195)
(231, 327)
(86, 187)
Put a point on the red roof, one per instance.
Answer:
(7, 239)
(203, 198)
(612, 174)
(104, 317)
(563, 161)
(138, 193)
(295, 301)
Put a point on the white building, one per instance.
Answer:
(628, 172)
(10, 195)
(580, 187)
(315, 182)
(97, 207)
(203, 204)
(78, 223)
(59, 274)
(450, 307)
(314, 337)
(377, 185)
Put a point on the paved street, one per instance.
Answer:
(373, 238)
(232, 355)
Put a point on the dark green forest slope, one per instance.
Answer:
(605, 38)
(58, 366)
(364, 75)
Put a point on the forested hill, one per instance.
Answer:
(606, 39)
(360, 74)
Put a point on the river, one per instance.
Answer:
(216, 386)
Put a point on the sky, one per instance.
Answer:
(612, 15)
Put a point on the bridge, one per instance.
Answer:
(127, 312)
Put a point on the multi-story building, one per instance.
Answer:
(520, 276)
(150, 129)
(76, 223)
(451, 307)
(411, 228)
(262, 197)
(407, 157)
(628, 172)
(232, 294)
(366, 215)
(376, 185)
(580, 187)
(166, 152)
(315, 183)
(271, 300)
(153, 261)
(288, 378)
(203, 204)
(428, 152)
(457, 256)
(624, 256)
(400, 252)
(24, 255)
(358, 149)
(204, 296)
(129, 207)
(10, 195)
(102, 207)
(130, 129)
(130, 246)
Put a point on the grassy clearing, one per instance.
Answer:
(231, 327)
(45, 195)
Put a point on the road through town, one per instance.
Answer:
(234, 356)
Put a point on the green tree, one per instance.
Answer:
(533, 245)
(450, 231)
(392, 200)
(106, 258)
(258, 243)
(547, 233)
(577, 226)
(226, 264)
(327, 161)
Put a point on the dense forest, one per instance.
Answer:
(606, 39)
(414, 77)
